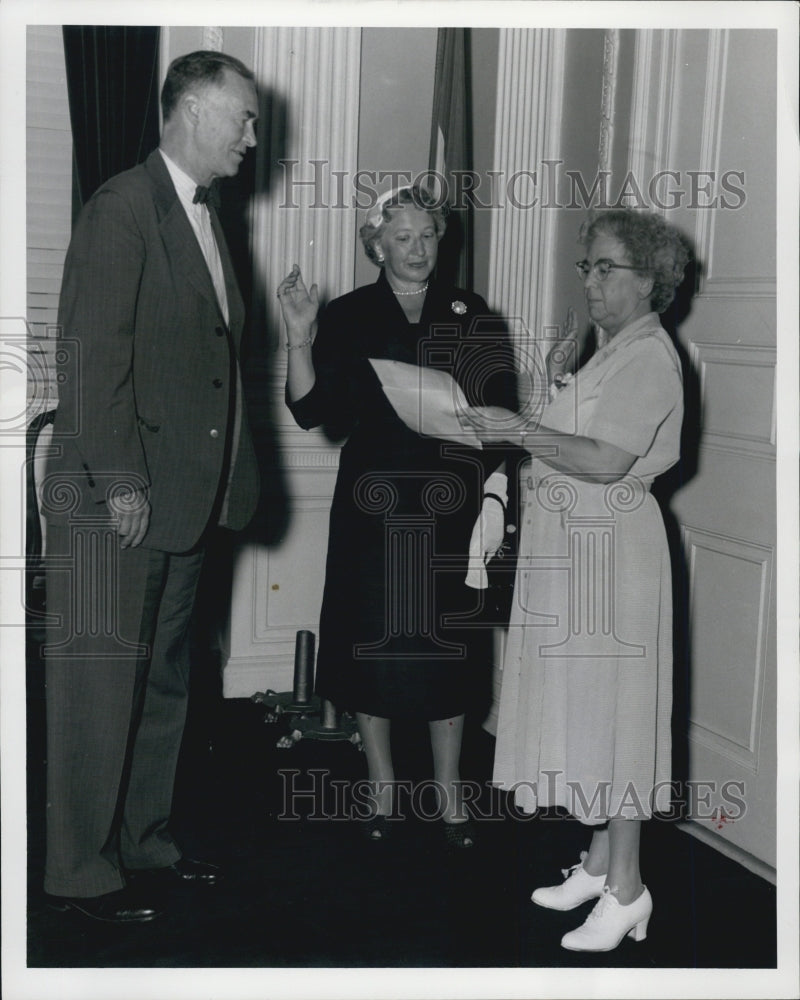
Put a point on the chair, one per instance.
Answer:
(37, 448)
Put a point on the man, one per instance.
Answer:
(154, 451)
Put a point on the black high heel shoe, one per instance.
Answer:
(459, 836)
(377, 829)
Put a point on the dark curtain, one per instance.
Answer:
(451, 148)
(112, 81)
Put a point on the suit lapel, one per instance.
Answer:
(181, 243)
(235, 304)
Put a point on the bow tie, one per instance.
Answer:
(206, 195)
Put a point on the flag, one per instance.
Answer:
(451, 150)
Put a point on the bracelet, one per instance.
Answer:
(294, 347)
(494, 496)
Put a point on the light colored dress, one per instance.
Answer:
(586, 699)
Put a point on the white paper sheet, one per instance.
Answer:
(428, 401)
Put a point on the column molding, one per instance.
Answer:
(531, 65)
(313, 76)
(609, 98)
(309, 80)
(654, 87)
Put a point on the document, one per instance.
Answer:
(428, 401)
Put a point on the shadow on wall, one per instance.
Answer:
(257, 177)
(664, 489)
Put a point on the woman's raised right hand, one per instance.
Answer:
(299, 305)
(563, 356)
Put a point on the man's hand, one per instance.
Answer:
(132, 511)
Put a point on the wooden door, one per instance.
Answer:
(707, 104)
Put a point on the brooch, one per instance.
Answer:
(458, 307)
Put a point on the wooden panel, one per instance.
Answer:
(278, 591)
(729, 374)
(741, 138)
(289, 581)
(729, 584)
(704, 108)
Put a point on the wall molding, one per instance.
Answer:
(313, 77)
(732, 851)
(303, 458)
(713, 108)
(310, 79)
(744, 753)
(608, 98)
(650, 141)
(750, 358)
(531, 66)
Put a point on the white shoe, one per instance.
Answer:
(578, 887)
(609, 922)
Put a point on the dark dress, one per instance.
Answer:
(400, 633)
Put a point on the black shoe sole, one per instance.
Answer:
(66, 907)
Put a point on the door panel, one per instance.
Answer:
(723, 126)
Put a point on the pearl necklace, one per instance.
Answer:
(419, 291)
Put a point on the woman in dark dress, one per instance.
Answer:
(398, 625)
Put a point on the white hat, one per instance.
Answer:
(375, 214)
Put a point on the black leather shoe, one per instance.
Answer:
(119, 907)
(182, 871)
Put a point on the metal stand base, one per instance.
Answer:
(314, 719)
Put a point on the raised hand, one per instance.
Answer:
(299, 306)
(564, 354)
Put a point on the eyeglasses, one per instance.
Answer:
(601, 268)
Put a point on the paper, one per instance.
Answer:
(428, 401)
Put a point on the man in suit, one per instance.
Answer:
(153, 452)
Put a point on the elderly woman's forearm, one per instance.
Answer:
(581, 457)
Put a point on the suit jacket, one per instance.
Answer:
(145, 366)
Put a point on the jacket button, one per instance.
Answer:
(220, 332)
(217, 383)
(214, 433)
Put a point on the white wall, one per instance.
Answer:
(397, 70)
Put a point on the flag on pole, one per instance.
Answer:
(451, 150)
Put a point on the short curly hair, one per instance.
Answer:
(414, 196)
(655, 248)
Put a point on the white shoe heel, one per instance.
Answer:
(609, 922)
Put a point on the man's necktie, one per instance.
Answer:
(206, 195)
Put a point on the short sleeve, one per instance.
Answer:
(636, 398)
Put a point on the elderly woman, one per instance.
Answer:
(391, 644)
(584, 720)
